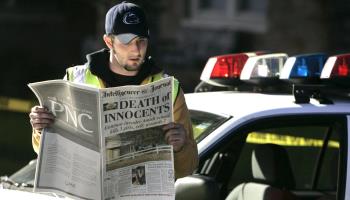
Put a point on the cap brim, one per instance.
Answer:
(125, 38)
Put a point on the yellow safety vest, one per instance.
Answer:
(82, 74)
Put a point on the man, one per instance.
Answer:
(125, 63)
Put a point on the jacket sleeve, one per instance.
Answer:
(186, 160)
(36, 140)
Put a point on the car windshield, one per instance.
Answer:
(26, 174)
(203, 123)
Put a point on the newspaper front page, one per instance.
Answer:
(106, 143)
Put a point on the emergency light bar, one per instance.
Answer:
(303, 68)
(273, 72)
(225, 70)
(259, 69)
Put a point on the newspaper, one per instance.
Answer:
(106, 143)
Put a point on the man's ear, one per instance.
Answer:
(108, 41)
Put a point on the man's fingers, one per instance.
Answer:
(177, 143)
(173, 132)
(37, 109)
(39, 126)
(41, 121)
(175, 135)
(169, 137)
(40, 117)
(38, 112)
(43, 118)
(170, 126)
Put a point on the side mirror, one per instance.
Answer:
(196, 187)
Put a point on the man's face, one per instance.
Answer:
(130, 56)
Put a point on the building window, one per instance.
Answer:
(212, 4)
(236, 15)
(257, 6)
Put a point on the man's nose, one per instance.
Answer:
(134, 46)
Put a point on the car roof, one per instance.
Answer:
(239, 104)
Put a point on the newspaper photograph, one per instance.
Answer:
(106, 143)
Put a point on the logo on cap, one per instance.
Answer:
(131, 18)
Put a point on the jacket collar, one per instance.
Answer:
(98, 63)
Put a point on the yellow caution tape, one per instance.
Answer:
(287, 140)
(16, 105)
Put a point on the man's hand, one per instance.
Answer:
(175, 134)
(40, 117)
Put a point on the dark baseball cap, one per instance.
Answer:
(126, 21)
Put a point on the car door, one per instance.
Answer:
(345, 179)
(315, 144)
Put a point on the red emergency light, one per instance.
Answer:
(337, 66)
(225, 70)
(337, 70)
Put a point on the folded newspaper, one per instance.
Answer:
(106, 143)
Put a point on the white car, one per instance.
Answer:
(262, 140)
(260, 143)
(20, 185)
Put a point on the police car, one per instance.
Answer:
(269, 126)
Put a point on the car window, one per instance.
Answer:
(204, 123)
(303, 145)
(329, 169)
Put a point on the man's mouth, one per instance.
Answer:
(134, 59)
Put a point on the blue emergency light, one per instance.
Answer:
(303, 68)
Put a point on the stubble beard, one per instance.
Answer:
(132, 68)
(129, 68)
